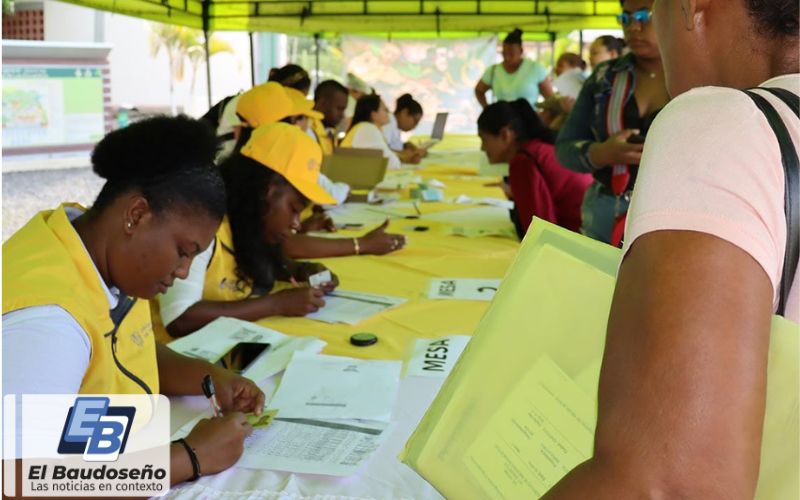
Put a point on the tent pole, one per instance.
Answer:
(580, 43)
(316, 59)
(206, 4)
(252, 61)
(553, 49)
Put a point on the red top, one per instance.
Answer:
(542, 187)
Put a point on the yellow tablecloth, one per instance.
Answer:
(407, 273)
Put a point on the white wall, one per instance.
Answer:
(137, 78)
(64, 22)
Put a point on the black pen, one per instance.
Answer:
(208, 390)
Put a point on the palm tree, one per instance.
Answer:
(181, 43)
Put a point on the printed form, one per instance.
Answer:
(542, 431)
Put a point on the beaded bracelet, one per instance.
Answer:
(193, 457)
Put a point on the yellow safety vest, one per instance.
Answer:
(46, 263)
(221, 281)
(347, 142)
(325, 139)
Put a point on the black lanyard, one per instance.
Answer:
(118, 315)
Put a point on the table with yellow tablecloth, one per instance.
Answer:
(431, 254)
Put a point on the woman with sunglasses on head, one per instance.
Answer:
(603, 134)
(76, 285)
(707, 261)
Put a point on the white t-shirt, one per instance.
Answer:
(712, 164)
(392, 134)
(369, 136)
(570, 82)
(45, 350)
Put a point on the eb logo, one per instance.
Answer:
(96, 430)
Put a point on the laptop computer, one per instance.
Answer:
(359, 168)
(437, 134)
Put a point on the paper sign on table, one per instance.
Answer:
(333, 387)
(463, 289)
(463, 199)
(353, 307)
(435, 357)
(218, 337)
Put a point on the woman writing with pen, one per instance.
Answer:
(269, 183)
(76, 283)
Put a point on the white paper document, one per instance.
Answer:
(221, 335)
(334, 448)
(353, 307)
(463, 199)
(543, 429)
(333, 387)
(463, 289)
(435, 357)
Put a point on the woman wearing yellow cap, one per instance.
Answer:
(76, 283)
(269, 183)
(269, 103)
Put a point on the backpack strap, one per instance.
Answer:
(791, 170)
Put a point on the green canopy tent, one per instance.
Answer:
(369, 16)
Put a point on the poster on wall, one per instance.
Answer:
(52, 105)
(440, 73)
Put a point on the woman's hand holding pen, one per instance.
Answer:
(295, 301)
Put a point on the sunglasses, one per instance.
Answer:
(641, 16)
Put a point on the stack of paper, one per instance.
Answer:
(218, 337)
(353, 307)
(332, 415)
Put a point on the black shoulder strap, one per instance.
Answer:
(791, 170)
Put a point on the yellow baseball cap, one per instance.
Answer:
(301, 105)
(265, 103)
(292, 153)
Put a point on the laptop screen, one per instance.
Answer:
(438, 126)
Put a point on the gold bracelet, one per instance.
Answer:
(356, 246)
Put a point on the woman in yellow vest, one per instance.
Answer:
(269, 183)
(76, 283)
(365, 130)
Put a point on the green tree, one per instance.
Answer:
(182, 44)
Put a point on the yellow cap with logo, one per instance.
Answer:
(263, 104)
(292, 153)
(301, 105)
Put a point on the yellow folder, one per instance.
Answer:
(519, 409)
